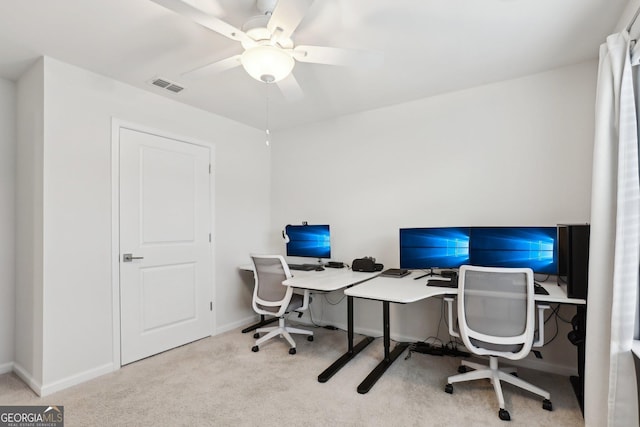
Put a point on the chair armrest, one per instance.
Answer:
(449, 301)
(541, 308)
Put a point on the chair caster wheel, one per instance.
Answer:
(546, 404)
(255, 349)
(504, 415)
(462, 369)
(292, 351)
(310, 338)
(256, 335)
(448, 388)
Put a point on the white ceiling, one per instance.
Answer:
(429, 47)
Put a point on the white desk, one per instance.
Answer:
(333, 279)
(328, 280)
(406, 290)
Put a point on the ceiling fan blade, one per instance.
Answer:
(214, 67)
(212, 7)
(206, 20)
(290, 88)
(287, 16)
(338, 56)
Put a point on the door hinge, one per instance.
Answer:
(209, 168)
(210, 305)
(209, 237)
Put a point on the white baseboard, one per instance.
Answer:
(76, 379)
(44, 390)
(6, 368)
(240, 323)
(27, 378)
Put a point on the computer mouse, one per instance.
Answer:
(319, 268)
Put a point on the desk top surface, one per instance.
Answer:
(399, 290)
(406, 289)
(331, 279)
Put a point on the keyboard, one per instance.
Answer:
(302, 267)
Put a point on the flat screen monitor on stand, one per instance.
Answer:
(517, 247)
(308, 241)
(436, 247)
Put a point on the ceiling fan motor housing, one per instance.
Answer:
(266, 7)
(256, 28)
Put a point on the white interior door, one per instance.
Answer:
(165, 282)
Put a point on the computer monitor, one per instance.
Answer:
(311, 241)
(427, 248)
(532, 247)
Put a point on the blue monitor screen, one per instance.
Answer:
(446, 247)
(311, 241)
(451, 247)
(532, 247)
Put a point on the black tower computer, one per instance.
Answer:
(573, 258)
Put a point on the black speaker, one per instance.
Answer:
(573, 259)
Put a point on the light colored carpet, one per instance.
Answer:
(219, 381)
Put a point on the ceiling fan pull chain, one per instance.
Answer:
(268, 134)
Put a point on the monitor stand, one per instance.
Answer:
(430, 273)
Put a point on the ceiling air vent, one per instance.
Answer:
(165, 84)
(174, 88)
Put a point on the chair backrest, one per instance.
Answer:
(269, 295)
(496, 310)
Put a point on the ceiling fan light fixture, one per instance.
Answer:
(267, 63)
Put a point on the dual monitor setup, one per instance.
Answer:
(451, 247)
(562, 250)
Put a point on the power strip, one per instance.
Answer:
(436, 350)
(426, 348)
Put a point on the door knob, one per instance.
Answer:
(130, 257)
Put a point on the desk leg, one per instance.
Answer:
(261, 323)
(389, 357)
(578, 382)
(351, 350)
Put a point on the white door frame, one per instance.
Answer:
(116, 125)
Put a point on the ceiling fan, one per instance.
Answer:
(269, 51)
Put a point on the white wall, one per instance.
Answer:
(29, 211)
(78, 109)
(512, 153)
(7, 223)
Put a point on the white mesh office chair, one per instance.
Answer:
(496, 318)
(271, 297)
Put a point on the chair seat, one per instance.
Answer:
(295, 303)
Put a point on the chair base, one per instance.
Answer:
(284, 331)
(496, 375)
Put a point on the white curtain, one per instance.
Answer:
(610, 397)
